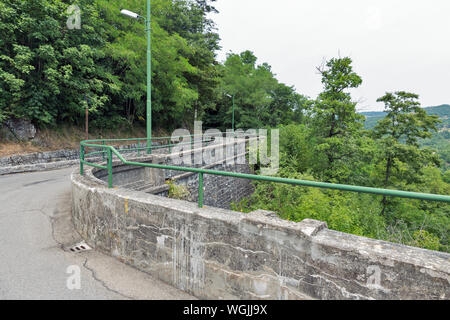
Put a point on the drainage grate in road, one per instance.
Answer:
(82, 246)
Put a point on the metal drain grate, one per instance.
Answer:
(82, 246)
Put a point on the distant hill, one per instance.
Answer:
(440, 140)
(442, 111)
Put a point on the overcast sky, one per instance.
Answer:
(395, 44)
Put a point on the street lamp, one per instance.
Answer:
(232, 121)
(149, 70)
(130, 14)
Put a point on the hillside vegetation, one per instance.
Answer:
(49, 74)
(440, 139)
(443, 112)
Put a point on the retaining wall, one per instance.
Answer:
(42, 161)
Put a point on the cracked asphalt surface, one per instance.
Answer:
(35, 234)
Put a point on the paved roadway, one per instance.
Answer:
(35, 232)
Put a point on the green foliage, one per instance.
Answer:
(179, 192)
(440, 141)
(424, 239)
(184, 77)
(50, 74)
(390, 156)
(336, 123)
(47, 69)
(354, 213)
(398, 135)
(443, 112)
(446, 176)
(260, 100)
(351, 213)
(105, 62)
(296, 145)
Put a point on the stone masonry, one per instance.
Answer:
(215, 253)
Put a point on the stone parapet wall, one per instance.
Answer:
(215, 253)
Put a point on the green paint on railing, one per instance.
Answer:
(200, 190)
(110, 182)
(95, 165)
(81, 159)
(103, 151)
(139, 147)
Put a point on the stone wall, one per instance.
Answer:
(219, 191)
(41, 161)
(17, 130)
(215, 253)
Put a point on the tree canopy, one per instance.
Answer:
(49, 72)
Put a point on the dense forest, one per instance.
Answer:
(47, 70)
(49, 74)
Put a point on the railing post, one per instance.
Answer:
(110, 182)
(149, 146)
(170, 147)
(139, 147)
(82, 160)
(103, 151)
(200, 190)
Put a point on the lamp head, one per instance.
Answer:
(130, 14)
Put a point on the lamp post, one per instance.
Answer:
(232, 120)
(149, 70)
(87, 117)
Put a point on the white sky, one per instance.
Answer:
(395, 44)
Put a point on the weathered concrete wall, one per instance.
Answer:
(220, 254)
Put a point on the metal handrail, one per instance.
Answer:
(110, 150)
(90, 143)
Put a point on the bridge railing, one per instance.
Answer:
(141, 145)
(108, 151)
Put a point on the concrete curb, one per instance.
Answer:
(38, 167)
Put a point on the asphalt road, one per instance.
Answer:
(35, 234)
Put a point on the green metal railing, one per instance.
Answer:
(110, 151)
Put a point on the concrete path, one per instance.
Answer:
(35, 232)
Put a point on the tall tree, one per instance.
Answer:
(45, 68)
(260, 100)
(105, 61)
(189, 19)
(336, 122)
(184, 77)
(399, 133)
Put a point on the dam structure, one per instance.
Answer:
(176, 224)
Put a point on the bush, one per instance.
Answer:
(178, 191)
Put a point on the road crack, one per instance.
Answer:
(95, 277)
